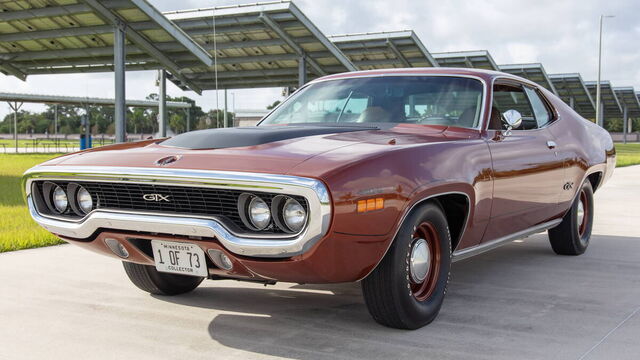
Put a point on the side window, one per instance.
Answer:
(539, 108)
(511, 97)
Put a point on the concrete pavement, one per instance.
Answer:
(519, 301)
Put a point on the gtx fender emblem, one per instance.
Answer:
(156, 197)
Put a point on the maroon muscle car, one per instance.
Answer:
(384, 177)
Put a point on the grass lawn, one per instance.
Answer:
(17, 229)
(627, 154)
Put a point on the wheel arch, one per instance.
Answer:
(595, 178)
(454, 203)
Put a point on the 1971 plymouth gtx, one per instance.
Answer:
(384, 177)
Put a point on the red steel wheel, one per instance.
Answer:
(582, 213)
(424, 261)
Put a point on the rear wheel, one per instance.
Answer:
(147, 278)
(407, 288)
(572, 236)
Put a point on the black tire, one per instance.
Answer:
(148, 279)
(571, 237)
(390, 292)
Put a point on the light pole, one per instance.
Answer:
(599, 119)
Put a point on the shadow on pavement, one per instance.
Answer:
(522, 292)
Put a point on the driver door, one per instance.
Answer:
(528, 174)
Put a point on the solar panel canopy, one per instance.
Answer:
(258, 45)
(609, 101)
(479, 59)
(382, 50)
(628, 98)
(79, 100)
(573, 91)
(77, 36)
(531, 72)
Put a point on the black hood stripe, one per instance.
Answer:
(253, 135)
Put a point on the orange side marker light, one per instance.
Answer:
(370, 205)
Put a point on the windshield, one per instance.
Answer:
(433, 100)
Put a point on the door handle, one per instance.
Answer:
(551, 144)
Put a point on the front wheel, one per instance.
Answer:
(572, 236)
(407, 288)
(148, 279)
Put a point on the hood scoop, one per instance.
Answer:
(253, 135)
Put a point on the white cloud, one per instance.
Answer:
(562, 35)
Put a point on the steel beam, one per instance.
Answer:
(119, 55)
(162, 101)
(74, 100)
(397, 53)
(50, 11)
(323, 39)
(284, 36)
(302, 71)
(174, 31)
(108, 16)
(12, 70)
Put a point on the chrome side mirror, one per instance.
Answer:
(513, 119)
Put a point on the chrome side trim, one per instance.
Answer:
(271, 245)
(484, 247)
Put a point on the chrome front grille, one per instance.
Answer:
(182, 200)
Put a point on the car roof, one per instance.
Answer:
(486, 75)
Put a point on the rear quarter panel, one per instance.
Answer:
(586, 147)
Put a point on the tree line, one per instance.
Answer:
(139, 120)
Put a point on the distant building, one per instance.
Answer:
(248, 117)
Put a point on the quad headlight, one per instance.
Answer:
(281, 212)
(59, 199)
(66, 199)
(259, 213)
(84, 200)
(294, 215)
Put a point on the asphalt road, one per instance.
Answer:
(519, 301)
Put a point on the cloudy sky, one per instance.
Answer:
(560, 34)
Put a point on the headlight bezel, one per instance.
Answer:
(245, 200)
(278, 207)
(59, 190)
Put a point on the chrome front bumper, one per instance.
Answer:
(275, 246)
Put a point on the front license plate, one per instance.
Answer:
(179, 258)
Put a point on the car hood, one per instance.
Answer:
(279, 150)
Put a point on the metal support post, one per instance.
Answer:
(625, 123)
(162, 106)
(302, 71)
(225, 117)
(572, 102)
(15, 107)
(55, 120)
(87, 127)
(119, 55)
(189, 117)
